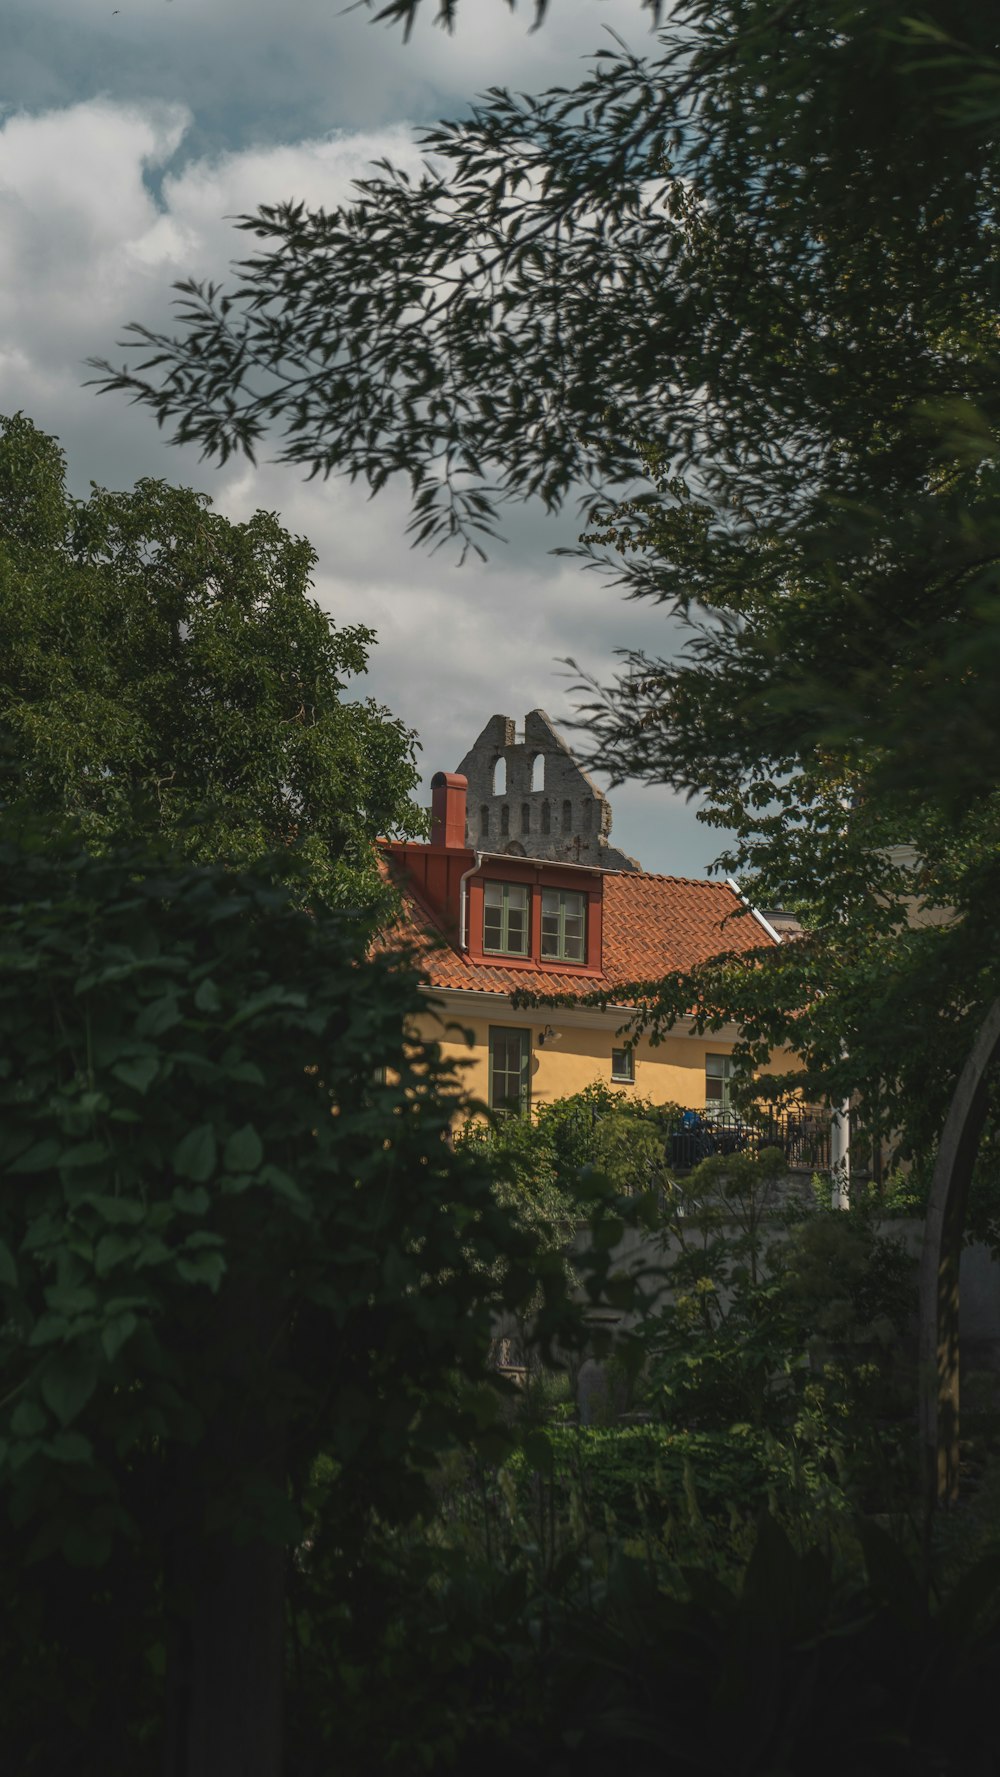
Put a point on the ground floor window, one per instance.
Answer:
(623, 1065)
(510, 1060)
(718, 1081)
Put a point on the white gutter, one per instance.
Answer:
(759, 917)
(463, 903)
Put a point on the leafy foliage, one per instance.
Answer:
(228, 1245)
(657, 256)
(165, 671)
(788, 1321)
(772, 370)
(544, 1163)
(822, 1665)
(406, 12)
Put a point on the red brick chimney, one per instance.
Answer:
(448, 795)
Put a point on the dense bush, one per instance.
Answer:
(442, 1659)
(230, 1242)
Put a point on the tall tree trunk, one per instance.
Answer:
(225, 1673)
(226, 1591)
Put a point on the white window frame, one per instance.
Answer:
(724, 1074)
(560, 953)
(503, 1032)
(504, 948)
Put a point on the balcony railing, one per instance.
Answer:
(802, 1136)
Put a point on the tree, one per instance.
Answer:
(747, 282)
(231, 1244)
(164, 670)
(406, 12)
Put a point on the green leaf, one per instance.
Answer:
(70, 1446)
(38, 1158)
(116, 1333)
(158, 1017)
(205, 1267)
(49, 1329)
(152, 1252)
(245, 1073)
(194, 1156)
(192, 1203)
(87, 1153)
(207, 997)
(28, 1419)
(112, 1249)
(67, 1383)
(66, 1299)
(8, 1269)
(116, 1209)
(244, 1150)
(280, 1182)
(236, 1185)
(139, 1073)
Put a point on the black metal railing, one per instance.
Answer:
(802, 1136)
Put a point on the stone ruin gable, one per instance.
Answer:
(564, 817)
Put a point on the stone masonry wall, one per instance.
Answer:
(542, 804)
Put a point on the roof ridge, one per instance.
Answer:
(661, 876)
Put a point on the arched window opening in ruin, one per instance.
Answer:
(538, 772)
(505, 819)
(586, 812)
(484, 818)
(525, 817)
(546, 818)
(567, 820)
(500, 778)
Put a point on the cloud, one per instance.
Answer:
(250, 70)
(100, 210)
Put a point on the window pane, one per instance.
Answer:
(517, 935)
(509, 1058)
(563, 925)
(713, 1090)
(492, 929)
(505, 918)
(573, 947)
(622, 1064)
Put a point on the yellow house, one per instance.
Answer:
(488, 925)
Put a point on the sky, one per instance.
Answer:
(130, 136)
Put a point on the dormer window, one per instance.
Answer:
(563, 925)
(505, 918)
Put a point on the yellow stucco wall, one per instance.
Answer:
(578, 1055)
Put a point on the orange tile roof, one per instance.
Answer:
(653, 925)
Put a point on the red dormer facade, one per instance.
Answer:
(523, 915)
